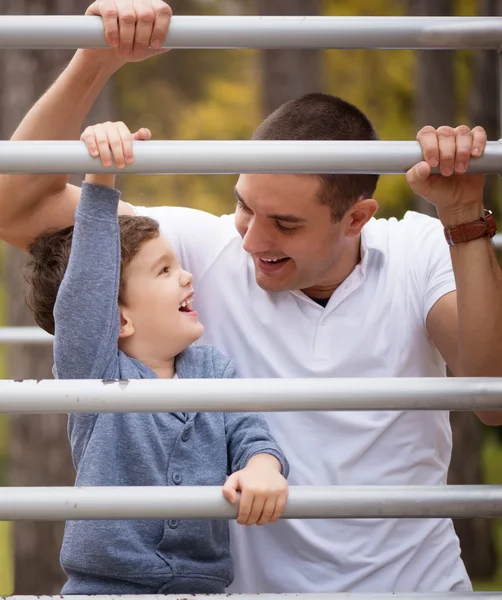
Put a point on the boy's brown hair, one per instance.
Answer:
(48, 259)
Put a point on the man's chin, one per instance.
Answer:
(269, 284)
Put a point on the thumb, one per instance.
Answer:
(93, 9)
(418, 175)
(230, 488)
(142, 135)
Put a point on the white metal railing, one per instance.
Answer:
(249, 395)
(24, 335)
(243, 156)
(304, 502)
(260, 394)
(267, 32)
(270, 596)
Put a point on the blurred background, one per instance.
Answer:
(224, 95)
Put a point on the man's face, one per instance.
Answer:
(289, 234)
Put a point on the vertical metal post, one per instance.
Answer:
(499, 62)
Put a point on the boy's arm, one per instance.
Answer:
(86, 313)
(257, 465)
(247, 435)
(32, 204)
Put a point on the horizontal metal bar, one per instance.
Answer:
(220, 157)
(250, 395)
(24, 335)
(309, 502)
(60, 32)
(268, 596)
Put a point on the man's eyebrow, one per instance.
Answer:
(238, 197)
(285, 218)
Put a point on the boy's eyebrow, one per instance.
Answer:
(162, 259)
(286, 218)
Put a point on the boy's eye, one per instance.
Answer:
(164, 271)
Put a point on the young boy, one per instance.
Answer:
(112, 292)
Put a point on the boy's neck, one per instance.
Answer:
(164, 368)
(164, 372)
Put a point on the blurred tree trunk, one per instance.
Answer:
(476, 535)
(436, 105)
(484, 101)
(288, 74)
(38, 446)
(435, 81)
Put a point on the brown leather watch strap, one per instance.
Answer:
(466, 232)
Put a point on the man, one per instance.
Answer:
(309, 284)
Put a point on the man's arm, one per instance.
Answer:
(466, 326)
(31, 204)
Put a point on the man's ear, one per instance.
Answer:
(359, 214)
(126, 326)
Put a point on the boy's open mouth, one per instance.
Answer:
(186, 305)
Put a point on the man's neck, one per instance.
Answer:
(343, 268)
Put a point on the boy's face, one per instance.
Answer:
(158, 302)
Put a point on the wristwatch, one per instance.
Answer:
(466, 232)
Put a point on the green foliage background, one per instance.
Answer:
(216, 95)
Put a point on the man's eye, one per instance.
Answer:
(285, 229)
(242, 206)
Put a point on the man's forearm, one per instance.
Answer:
(479, 297)
(58, 115)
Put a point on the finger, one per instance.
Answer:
(127, 26)
(89, 138)
(245, 507)
(145, 18)
(93, 9)
(447, 150)
(230, 489)
(107, 9)
(105, 153)
(279, 507)
(116, 144)
(256, 509)
(418, 175)
(143, 135)
(127, 138)
(163, 14)
(479, 138)
(267, 511)
(463, 137)
(429, 141)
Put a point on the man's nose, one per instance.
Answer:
(256, 239)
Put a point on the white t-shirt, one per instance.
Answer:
(373, 326)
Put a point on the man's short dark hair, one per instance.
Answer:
(48, 259)
(325, 117)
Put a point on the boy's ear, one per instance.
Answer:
(126, 326)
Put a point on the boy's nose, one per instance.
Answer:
(186, 278)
